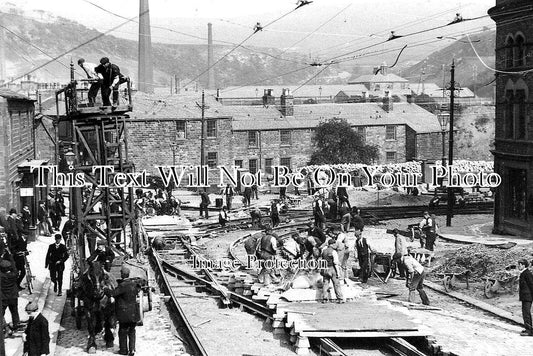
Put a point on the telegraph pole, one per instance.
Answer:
(202, 140)
(450, 146)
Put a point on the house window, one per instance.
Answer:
(390, 133)
(238, 163)
(509, 52)
(253, 138)
(390, 157)
(361, 131)
(519, 51)
(268, 165)
(285, 137)
(252, 165)
(211, 128)
(520, 114)
(212, 160)
(285, 162)
(180, 130)
(509, 114)
(516, 193)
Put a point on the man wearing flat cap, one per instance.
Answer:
(127, 310)
(36, 337)
(9, 291)
(55, 261)
(331, 272)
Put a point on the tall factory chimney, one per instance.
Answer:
(210, 72)
(146, 68)
(2, 55)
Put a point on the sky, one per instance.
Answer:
(235, 8)
(319, 30)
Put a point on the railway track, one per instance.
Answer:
(191, 289)
(373, 215)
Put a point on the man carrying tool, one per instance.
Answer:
(331, 273)
(415, 278)
(267, 253)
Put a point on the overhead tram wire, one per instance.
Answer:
(72, 49)
(363, 55)
(406, 35)
(313, 77)
(380, 52)
(493, 69)
(318, 28)
(194, 36)
(406, 25)
(238, 45)
(267, 79)
(32, 45)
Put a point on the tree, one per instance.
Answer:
(337, 142)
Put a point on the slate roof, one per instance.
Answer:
(328, 90)
(186, 106)
(378, 78)
(357, 114)
(10, 94)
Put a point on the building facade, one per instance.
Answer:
(16, 144)
(513, 152)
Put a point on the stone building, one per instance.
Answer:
(513, 153)
(16, 145)
(167, 131)
(264, 137)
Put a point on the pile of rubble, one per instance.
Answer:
(481, 260)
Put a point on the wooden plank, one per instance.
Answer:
(364, 334)
(477, 303)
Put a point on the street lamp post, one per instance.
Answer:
(451, 192)
(443, 121)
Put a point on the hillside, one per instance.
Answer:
(56, 35)
(465, 63)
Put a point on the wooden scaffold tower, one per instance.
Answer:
(98, 137)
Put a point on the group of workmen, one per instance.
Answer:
(105, 77)
(14, 232)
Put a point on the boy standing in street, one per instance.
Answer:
(36, 337)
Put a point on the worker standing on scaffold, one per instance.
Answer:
(96, 79)
(112, 78)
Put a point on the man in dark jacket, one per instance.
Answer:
(68, 228)
(525, 293)
(357, 221)
(19, 250)
(363, 257)
(9, 290)
(127, 311)
(204, 203)
(11, 228)
(112, 78)
(102, 254)
(36, 337)
(55, 260)
(42, 216)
